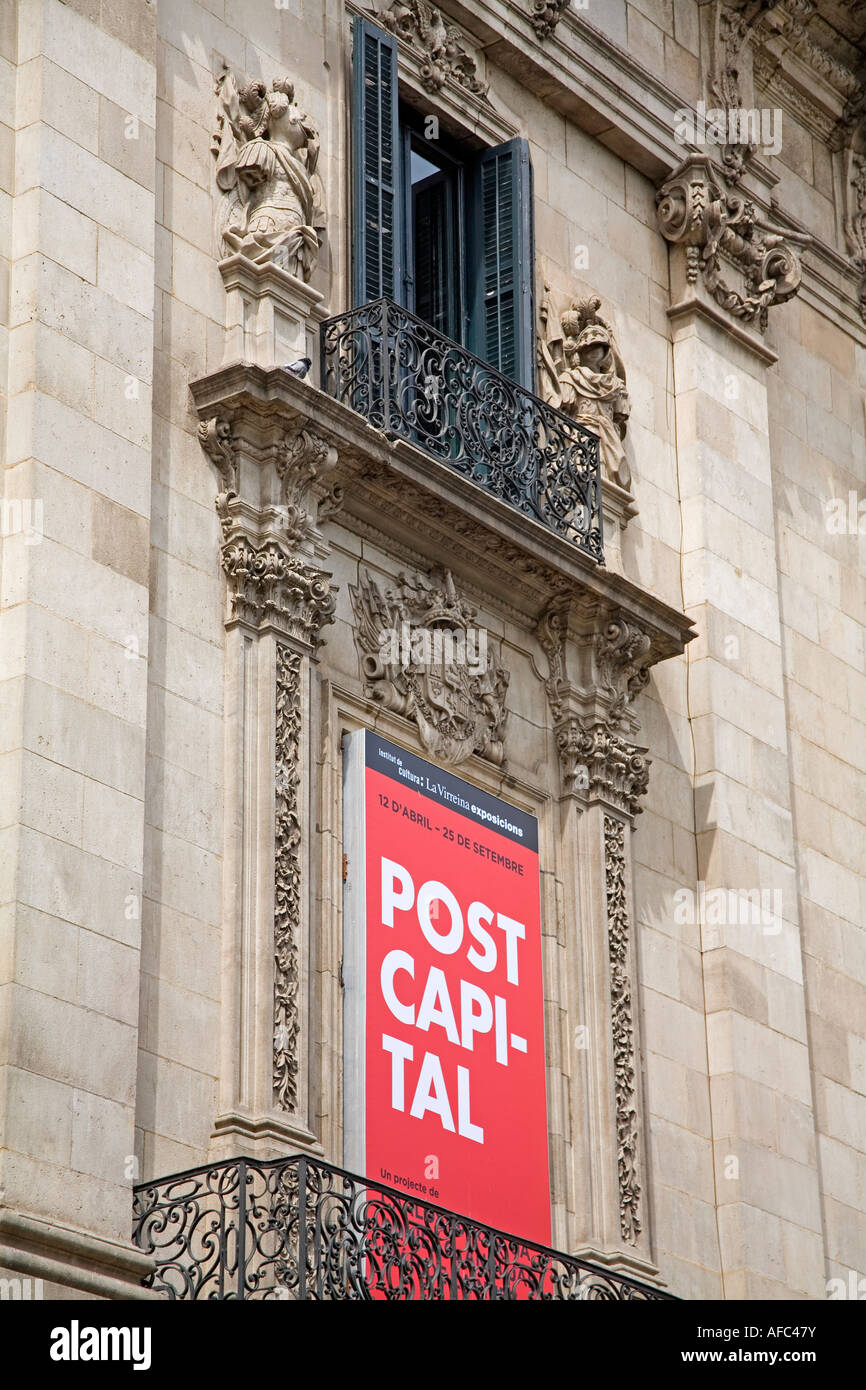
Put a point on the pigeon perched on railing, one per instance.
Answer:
(300, 368)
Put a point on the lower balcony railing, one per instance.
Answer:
(295, 1228)
(409, 381)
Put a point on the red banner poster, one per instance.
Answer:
(445, 993)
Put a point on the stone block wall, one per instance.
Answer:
(113, 685)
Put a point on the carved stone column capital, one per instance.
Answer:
(599, 764)
(268, 588)
(723, 234)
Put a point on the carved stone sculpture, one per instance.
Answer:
(583, 375)
(443, 47)
(716, 226)
(423, 657)
(267, 150)
(545, 16)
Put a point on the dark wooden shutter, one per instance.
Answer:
(377, 158)
(502, 262)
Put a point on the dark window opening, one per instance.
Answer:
(442, 230)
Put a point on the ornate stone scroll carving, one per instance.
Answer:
(269, 582)
(443, 49)
(620, 649)
(622, 1027)
(719, 228)
(545, 16)
(267, 150)
(423, 657)
(582, 374)
(287, 879)
(302, 460)
(592, 718)
(216, 438)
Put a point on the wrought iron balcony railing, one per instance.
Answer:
(295, 1228)
(412, 383)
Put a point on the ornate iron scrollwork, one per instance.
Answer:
(412, 383)
(296, 1228)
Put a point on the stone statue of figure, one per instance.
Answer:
(583, 376)
(267, 150)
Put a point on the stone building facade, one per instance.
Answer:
(197, 544)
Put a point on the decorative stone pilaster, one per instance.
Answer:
(622, 1028)
(274, 488)
(730, 72)
(851, 140)
(597, 665)
(287, 885)
(744, 832)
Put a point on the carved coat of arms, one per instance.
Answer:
(423, 656)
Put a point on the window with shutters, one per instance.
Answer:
(444, 231)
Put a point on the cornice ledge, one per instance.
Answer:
(67, 1255)
(377, 476)
(686, 307)
(591, 79)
